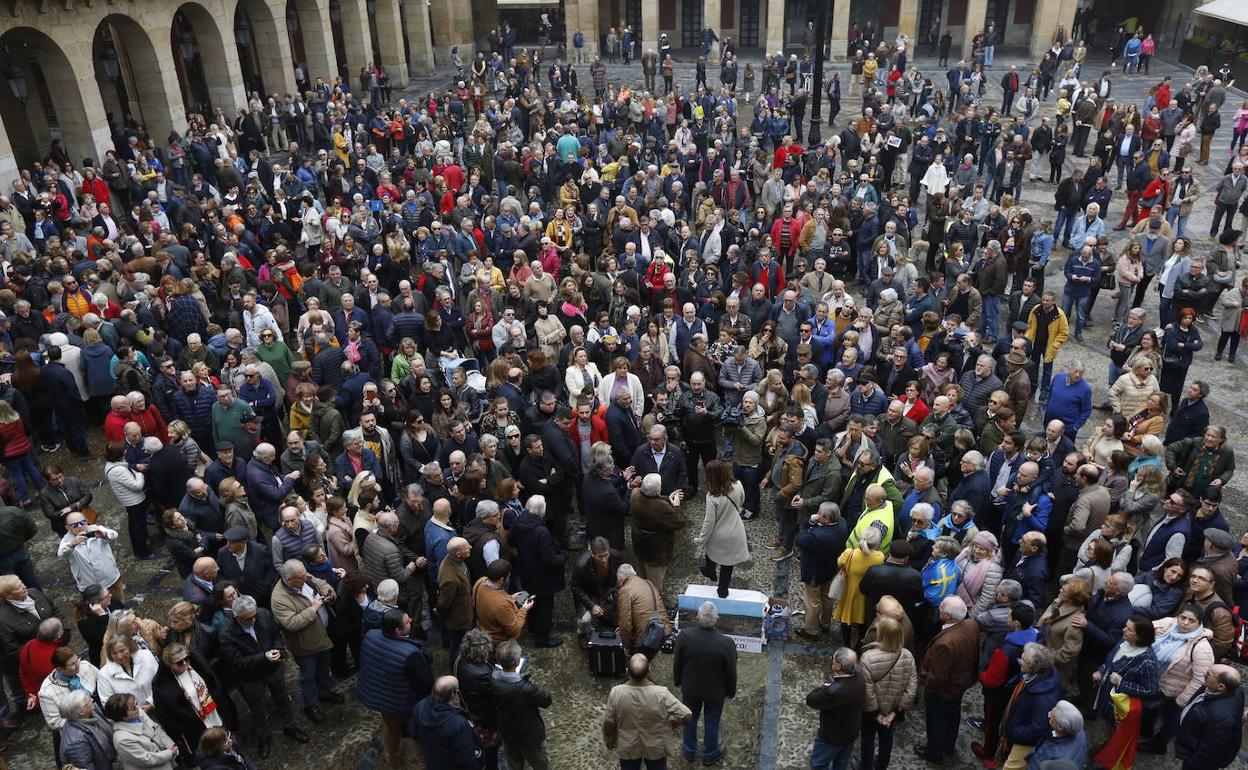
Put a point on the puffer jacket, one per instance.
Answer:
(1027, 721)
(1128, 394)
(892, 680)
(1185, 673)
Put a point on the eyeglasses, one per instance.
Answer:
(77, 524)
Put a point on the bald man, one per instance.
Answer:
(197, 588)
(446, 736)
(455, 594)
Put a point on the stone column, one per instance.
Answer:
(8, 162)
(390, 36)
(1047, 15)
(908, 24)
(355, 37)
(318, 43)
(775, 26)
(711, 11)
(273, 45)
(649, 26)
(159, 97)
(838, 37)
(976, 14)
(587, 12)
(416, 14)
(451, 21)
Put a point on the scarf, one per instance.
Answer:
(1169, 644)
(27, 605)
(973, 578)
(1128, 650)
(195, 689)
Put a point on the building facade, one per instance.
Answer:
(76, 69)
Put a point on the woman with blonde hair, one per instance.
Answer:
(773, 396)
(888, 607)
(1149, 419)
(892, 682)
(180, 438)
(800, 396)
(238, 511)
(1062, 626)
(851, 608)
(146, 633)
(128, 669)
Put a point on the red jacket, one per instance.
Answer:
(96, 187)
(16, 441)
(35, 663)
(782, 154)
(115, 426)
(153, 423)
(795, 231)
(597, 430)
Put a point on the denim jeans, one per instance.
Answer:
(25, 474)
(989, 50)
(825, 756)
(1063, 224)
(1115, 371)
(990, 326)
(749, 478)
(713, 710)
(1177, 221)
(1079, 306)
(314, 678)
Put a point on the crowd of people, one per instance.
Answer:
(379, 377)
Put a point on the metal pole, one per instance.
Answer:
(822, 8)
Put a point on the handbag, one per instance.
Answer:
(837, 589)
(655, 633)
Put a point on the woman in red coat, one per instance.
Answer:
(1156, 194)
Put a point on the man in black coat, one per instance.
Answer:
(1191, 413)
(523, 730)
(62, 389)
(704, 667)
(539, 566)
(663, 457)
(247, 563)
(594, 587)
(1211, 729)
(975, 487)
(1030, 568)
(622, 428)
(820, 546)
(251, 646)
(605, 504)
(895, 578)
(166, 475)
(557, 443)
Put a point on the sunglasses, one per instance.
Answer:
(78, 524)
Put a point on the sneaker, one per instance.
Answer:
(49, 448)
(777, 543)
(783, 555)
(975, 723)
(748, 515)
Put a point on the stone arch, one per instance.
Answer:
(306, 24)
(134, 75)
(54, 106)
(211, 62)
(263, 48)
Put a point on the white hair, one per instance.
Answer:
(651, 485)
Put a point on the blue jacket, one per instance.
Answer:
(1027, 721)
(98, 373)
(394, 673)
(1154, 552)
(446, 736)
(436, 539)
(1082, 229)
(1039, 518)
(1072, 404)
(1073, 748)
(266, 490)
(1106, 617)
(1140, 678)
(346, 473)
(820, 548)
(876, 403)
(1212, 731)
(940, 580)
(197, 413)
(1032, 572)
(1077, 268)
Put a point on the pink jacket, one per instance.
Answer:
(1186, 672)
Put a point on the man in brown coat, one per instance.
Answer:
(655, 521)
(497, 613)
(950, 667)
(1017, 383)
(1086, 514)
(300, 605)
(455, 593)
(639, 601)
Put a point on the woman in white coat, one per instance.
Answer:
(129, 670)
(621, 378)
(582, 373)
(723, 532)
(140, 743)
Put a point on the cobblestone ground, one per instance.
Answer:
(767, 725)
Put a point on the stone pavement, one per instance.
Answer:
(767, 725)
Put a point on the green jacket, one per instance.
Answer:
(822, 487)
(884, 479)
(15, 529)
(747, 446)
(1185, 454)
